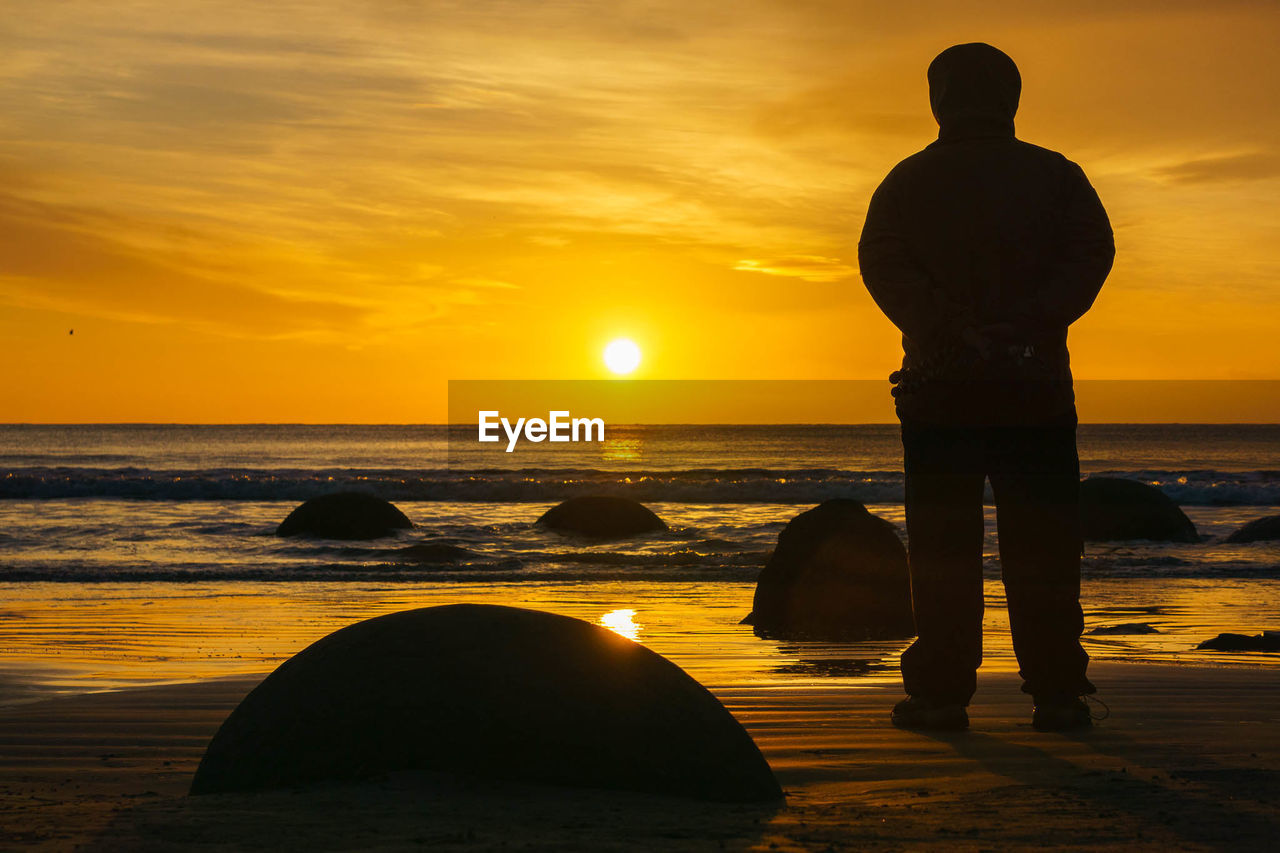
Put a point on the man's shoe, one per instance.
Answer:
(1061, 715)
(916, 713)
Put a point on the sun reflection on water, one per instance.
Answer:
(621, 450)
(622, 622)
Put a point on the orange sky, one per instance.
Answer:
(323, 211)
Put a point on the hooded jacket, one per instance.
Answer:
(983, 231)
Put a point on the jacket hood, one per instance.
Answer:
(974, 89)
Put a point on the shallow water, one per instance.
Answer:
(91, 540)
(143, 554)
(59, 637)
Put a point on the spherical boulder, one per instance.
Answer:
(1113, 509)
(1259, 530)
(344, 515)
(601, 516)
(838, 572)
(486, 691)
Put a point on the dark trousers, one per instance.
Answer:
(1035, 477)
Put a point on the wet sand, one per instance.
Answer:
(1187, 760)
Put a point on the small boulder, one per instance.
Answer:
(433, 552)
(601, 516)
(490, 692)
(1267, 641)
(1114, 509)
(838, 572)
(345, 515)
(1265, 529)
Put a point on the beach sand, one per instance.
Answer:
(1187, 760)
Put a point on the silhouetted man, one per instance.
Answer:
(982, 249)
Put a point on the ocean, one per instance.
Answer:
(145, 553)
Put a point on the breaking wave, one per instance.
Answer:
(698, 485)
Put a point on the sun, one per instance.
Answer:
(622, 356)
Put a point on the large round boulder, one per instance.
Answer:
(838, 572)
(1114, 509)
(485, 691)
(601, 516)
(344, 515)
(1265, 529)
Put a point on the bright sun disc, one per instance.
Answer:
(622, 355)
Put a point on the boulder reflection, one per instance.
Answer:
(822, 660)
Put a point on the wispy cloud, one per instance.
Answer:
(64, 258)
(486, 284)
(807, 267)
(1257, 165)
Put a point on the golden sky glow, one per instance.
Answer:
(323, 211)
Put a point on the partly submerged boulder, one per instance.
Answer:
(434, 552)
(838, 572)
(1125, 628)
(601, 516)
(1265, 529)
(1267, 641)
(445, 556)
(344, 515)
(485, 691)
(1113, 509)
